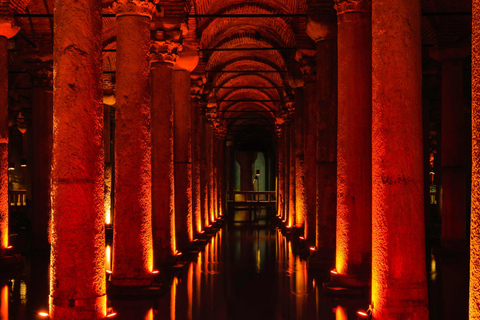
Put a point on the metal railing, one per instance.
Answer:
(263, 197)
(17, 198)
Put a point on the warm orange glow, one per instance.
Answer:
(362, 314)
(108, 258)
(313, 248)
(42, 314)
(155, 272)
(340, 313)
(108, 271)
(9, 247)
(190, 291)
(302, 238)
(149, 315)
(111, 315)
(108, 216)
(4, 303)
(178, 253)
(173, 298)
(333, 272)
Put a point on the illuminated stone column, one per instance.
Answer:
(132, 237)
(291, 181)
(286, 180)
(203, 164)
(453, 206)
(186, 62)
(7, 30)
(39, 161)
(280, 168)
(77, 272)
(209, 172)
(306, 58)
(196, 169)
(324, 35)
(354, 144)
(163, 204)
(299, 159)
(474, 306)
(399, 287)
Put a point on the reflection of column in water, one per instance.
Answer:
(173, 298)
(149, 314)
(190, 291)
(291, 273)
(300, 286)
(340, 313)
(198, 278)
(4, 302)
(108, 258)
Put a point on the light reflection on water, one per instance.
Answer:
(246, 271)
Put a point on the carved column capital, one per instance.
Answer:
(164, 51)
(134, 7)
(349, 6)
(279, 123)
(307, 64)
(8, 26)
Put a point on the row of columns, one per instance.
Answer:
(163, 197)
(369, 169)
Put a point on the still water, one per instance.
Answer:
(246, 271)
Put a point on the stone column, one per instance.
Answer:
(196, 169)
(310, 105)
(292, 216)
(453, 150)
(163, 204)
(203, 165)
(39, 160)
(299, 159)
(209, 173)
(324, 33)
(280, 168)
(77, 283)
(132, 238)
(354, 145)
(185, 63)
(8, 29)
(474, 306)
(286, 180)
(399, 288)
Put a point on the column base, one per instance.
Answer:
(348, 285)
(63, 309)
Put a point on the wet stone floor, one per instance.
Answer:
(247, 271)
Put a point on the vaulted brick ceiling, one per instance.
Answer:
(232, 71)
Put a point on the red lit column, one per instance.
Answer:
(7, 30)
(399, 288)
(132, 238)
(280, 169)
(299, 158)
(474, 306)
(39, 163)
(196, 168)
(326, 153)
(77, 283)
(209, 171)
(286, 180)
(453, 151)
(354, 144)
(182, 158)
(306, 58)
(291, 180)
(163, 204)
(203, 164)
